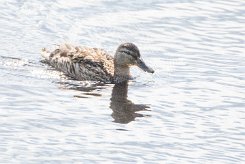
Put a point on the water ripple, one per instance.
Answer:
(190, 111)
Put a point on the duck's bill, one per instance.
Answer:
(141, 64)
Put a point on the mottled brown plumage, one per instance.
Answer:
(93, 64)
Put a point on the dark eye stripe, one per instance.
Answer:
(126, 52)
(129, 53)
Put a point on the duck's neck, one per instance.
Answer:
(121, 74)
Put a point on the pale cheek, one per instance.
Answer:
(128, 62)
(125, 60)
(132, 62)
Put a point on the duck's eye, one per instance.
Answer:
(126, 52)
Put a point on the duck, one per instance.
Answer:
(94, 64)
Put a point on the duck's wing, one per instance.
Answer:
(82, 63)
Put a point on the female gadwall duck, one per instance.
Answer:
(93, 64)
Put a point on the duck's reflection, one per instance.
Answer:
(124, 111)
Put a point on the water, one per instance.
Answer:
(190, 110)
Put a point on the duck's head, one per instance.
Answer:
(127, 55)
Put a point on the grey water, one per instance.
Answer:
(191, 110)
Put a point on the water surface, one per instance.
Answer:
(190, 110)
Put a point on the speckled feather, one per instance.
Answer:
(82, 63)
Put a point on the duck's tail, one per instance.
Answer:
(45, 53)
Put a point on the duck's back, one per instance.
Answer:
(81, 63)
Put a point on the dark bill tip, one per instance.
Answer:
(141, 64)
